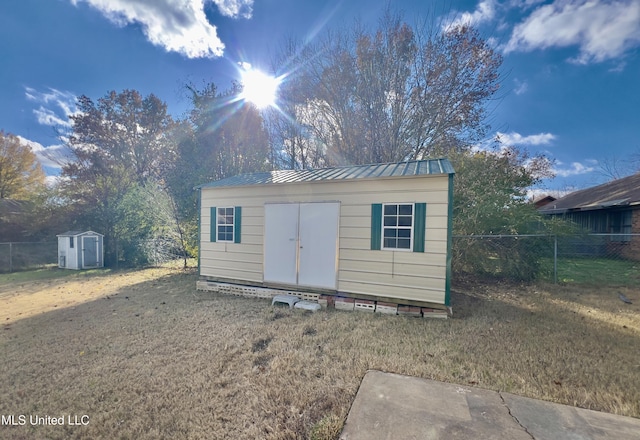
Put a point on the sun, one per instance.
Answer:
(258, 88)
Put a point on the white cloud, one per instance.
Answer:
(53, 156)
(602, 30)
(55, 106)
(47, 116)
(520, 87)
(485, 11)
(574, 169)
(235, 8)
(514, 138)
(177, 25)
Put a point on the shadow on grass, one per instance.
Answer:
(49, 273)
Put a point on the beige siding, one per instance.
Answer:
(427, 291)
(395, 274)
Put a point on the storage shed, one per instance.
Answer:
(373, 232)
(80, 250)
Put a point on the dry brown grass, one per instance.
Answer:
(146, 356)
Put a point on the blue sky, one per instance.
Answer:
(571, 69)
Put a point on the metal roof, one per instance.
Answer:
(614, 194)
(396, 169)
(74, 233)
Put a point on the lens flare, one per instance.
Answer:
(258, 88)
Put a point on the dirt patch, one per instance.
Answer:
(146, 356)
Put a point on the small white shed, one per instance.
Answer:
(80, 250)
(378, 232)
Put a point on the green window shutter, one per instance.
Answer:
(419, 224)
(376, 226)
(213, 221)
(237, 221)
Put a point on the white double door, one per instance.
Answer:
(301, 243)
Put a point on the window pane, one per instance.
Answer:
(390, 233)
(406, 209)
(391, 221)
(404, 221)
(225, 233)
(403, 243)
(404, 233)
(390, 243)
(390, 209)
(225, 216)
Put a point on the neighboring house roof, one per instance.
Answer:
(74, 233)
(397, 169)
(617, 193)
(543, 201)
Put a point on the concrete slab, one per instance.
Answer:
(547, 420)
(390, 406)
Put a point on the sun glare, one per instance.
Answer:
(258, 88)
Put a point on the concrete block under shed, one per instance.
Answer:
(345, 303)
(307, 305)
(409, 311)
(285, 299)
(387, 308)
(326, 301)
(434, 313)
(365, 305)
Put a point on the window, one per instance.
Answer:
(397, 226)
(621, 224)
(224, 224)
(71, 242)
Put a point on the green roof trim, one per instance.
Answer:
(385, 170)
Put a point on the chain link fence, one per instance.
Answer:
(16, 256)
(594, 259)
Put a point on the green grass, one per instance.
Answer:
(595, 271)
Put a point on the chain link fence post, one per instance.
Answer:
(555, 259)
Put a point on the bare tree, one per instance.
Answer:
(292, 146)
(391, 94)
(615, 167)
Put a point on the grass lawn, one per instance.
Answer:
(145, 355)
(598, 271)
